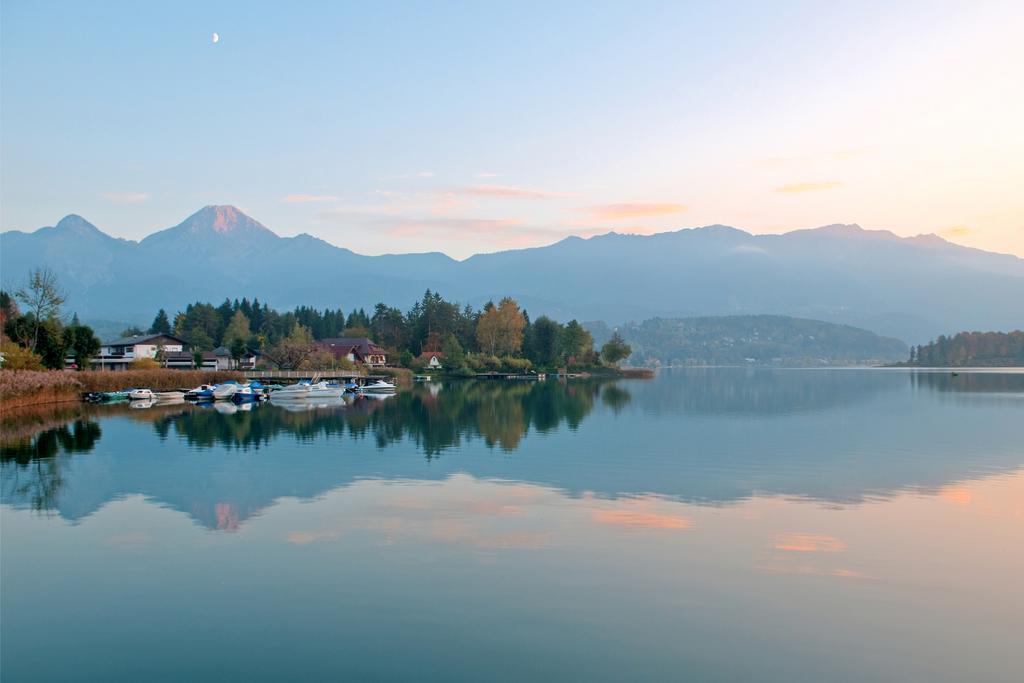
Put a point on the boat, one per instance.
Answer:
(204, 392)
(169, 395)
(110, 396)
(351, 387)
(140, 395)
(224, 392)
(307, 390)
(142, 403)
(421, 378)
(378, 387)
(248, 393)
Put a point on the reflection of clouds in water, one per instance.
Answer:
(809, 543)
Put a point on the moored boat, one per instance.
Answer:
(169, 395)
(224, 391)
(378, 387)
(204, 392)
(140, 395)
(307, 390)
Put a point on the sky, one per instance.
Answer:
(475, 127)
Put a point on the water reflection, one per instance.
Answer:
(707, 436)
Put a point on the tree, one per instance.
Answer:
(237, 350)
(199, 339)
(42, 297)
(291, 351)
(545, 340)
(499, 331)
(133, 331)
(18, 357)
(8, 308)
(615, 349)
(454, 357)
(237, 329)
(576, 342)
(161, 325)
(81, 343)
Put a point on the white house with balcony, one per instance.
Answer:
(119, 353)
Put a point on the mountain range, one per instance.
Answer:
(911, 288)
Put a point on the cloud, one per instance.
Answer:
(627, 210)
(125, 197)
(808, 187)
(486, 174)
(956, 231)
(508, 191)
(307, 198)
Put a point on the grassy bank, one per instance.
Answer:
(19, 388)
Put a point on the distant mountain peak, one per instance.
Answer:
(222, 219)
(929, 240)
(77, 224)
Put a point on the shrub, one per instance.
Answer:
(19, 358)
(516, 365)
(145, 364)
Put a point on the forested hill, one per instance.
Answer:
(971, 349)
(752, 340)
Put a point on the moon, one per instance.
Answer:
(216, 37)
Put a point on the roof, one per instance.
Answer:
(142, 339)
(363, 345)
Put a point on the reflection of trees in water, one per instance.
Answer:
(499, 412)
(969, 382)
(32, 469)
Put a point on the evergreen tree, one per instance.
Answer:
(161, 325)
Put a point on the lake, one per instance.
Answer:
(709, 524)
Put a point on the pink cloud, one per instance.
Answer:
(508, 191)
(627, 210)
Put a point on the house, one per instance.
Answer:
(186, 360)
(431, 359)
(226, 362)
(355, 349)
(119, 353)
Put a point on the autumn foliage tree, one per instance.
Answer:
(499, 332)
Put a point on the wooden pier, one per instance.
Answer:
(292, 376)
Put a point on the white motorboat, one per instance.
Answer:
(169, 395)
(224, 392)
(305, 390)
(378, 387)
(141, 395)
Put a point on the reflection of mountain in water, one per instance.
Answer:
(761, 391)
(711, 436)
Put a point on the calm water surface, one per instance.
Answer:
(705, 525)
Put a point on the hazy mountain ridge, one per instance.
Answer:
(752, 340)
(912, 288)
